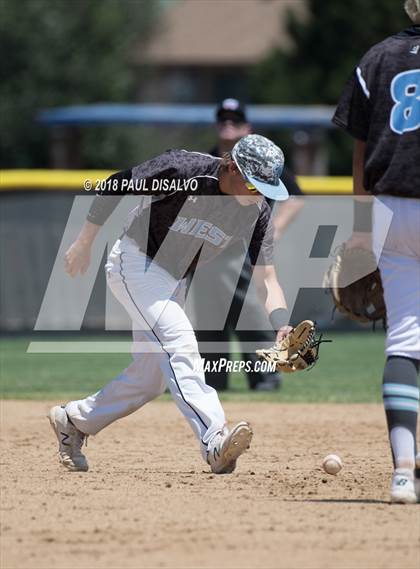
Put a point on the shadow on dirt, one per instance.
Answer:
(340, 501)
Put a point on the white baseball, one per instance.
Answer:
(332, 464)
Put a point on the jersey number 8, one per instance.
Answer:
(405, 91)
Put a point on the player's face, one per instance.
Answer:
(232, 130)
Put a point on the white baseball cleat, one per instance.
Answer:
(402, 488)
(70, 440)
(226, 447)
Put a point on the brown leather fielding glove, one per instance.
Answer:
(355, 285)
(297, 351)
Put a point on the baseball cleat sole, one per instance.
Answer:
(238, 441)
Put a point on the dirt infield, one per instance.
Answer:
(149, 501)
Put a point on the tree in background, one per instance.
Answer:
(66, 53)
(327, 45)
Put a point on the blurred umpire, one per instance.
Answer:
(380, 109)
(223, 273)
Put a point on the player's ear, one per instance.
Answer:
(232, 167)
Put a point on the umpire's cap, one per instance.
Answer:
(231, 109)
(261, 163)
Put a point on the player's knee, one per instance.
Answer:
(156, 391)
(181, 344)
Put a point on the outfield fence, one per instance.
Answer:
(35, 207)
(24, 180)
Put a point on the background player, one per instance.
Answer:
(231, 125)
(380, 108)
(170, 234)
(222, 274)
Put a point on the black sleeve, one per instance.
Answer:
(107, 200)
(137, 181)
(289, 180)
(169, 165)
(352, 113)
(261, 246)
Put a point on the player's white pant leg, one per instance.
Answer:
(141, 382)
(148, 298)
(400, 279)
(400, 272)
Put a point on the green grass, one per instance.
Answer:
(349, 371)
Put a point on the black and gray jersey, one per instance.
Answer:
(183, 219)
(380, 105)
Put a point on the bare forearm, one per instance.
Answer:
(77, 257)
(274, 298)
(88, 233)
(362, 220)
(358, 169)
(270, 291)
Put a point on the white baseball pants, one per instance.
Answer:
(399, 265)
(151, 296)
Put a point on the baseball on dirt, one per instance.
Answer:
(332, 464)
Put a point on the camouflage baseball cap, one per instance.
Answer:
(261, 163)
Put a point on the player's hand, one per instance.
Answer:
(359, 239)
(282, 333)
(77, 259)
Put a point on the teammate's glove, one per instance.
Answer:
(361, 299)
(297, 351)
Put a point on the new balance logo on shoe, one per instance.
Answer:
(64, 439)
(70, 441)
